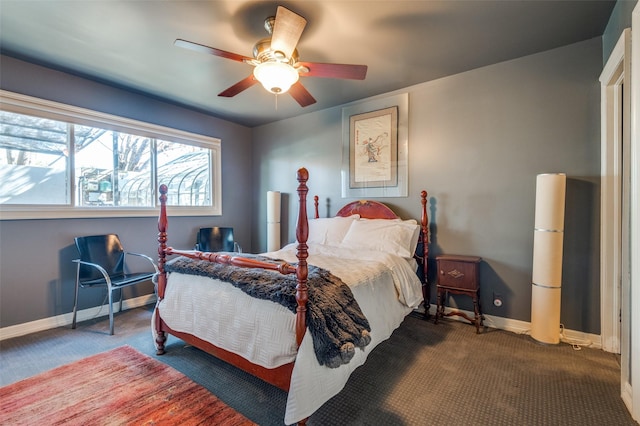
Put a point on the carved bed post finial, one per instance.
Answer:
(302, 272)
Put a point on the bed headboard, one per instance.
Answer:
(367, 209)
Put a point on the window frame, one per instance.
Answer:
(23, 104)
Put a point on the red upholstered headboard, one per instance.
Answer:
(367, 209)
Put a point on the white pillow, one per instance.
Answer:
(329, 230)
(389, 236)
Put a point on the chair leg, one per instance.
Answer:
(75, 303)
(110, 311)
(120, 307)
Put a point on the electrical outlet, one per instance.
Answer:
(497, 300)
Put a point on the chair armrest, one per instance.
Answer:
(145, 257)
(98, 267)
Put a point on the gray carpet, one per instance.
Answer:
(425, 374)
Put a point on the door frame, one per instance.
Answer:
(615, 87)
(620, 117)
(633, 403)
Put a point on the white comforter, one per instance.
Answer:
(385, 286)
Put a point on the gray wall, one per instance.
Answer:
(36, 272)
(477, 140)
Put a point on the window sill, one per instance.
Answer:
(48, 212)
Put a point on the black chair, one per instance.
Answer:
(102, 262)
(216, 239)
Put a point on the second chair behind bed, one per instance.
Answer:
(216, 239)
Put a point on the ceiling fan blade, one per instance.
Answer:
(240, 86)
(301, 95)
(351, 72)
(211, 50)
(286, 31)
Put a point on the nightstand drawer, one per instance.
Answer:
(458, 272)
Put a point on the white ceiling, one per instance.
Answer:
(129, 43)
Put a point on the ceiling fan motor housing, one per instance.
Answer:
(263, 53)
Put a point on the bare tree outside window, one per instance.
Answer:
(112, 169)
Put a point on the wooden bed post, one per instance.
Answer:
(315, 207)
(424, 223)
(302, 271)
(162, 241)
(161, 336)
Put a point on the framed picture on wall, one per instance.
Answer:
(375, 151)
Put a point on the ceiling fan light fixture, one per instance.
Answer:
(276, 77)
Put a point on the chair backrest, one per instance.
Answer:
(104, 250)
(215, 239)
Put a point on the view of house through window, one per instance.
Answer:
(106, 163)
(106, 168)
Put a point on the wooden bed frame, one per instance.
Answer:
(280, 376)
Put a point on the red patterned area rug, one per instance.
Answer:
(118, 387)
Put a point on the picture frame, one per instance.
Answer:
(375, 148)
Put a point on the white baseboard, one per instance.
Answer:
(514, 326)
(571, 337)
(627, 395)
(66, 319)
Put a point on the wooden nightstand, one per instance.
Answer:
(459, 275)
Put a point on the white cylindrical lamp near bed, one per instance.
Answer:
(547, 257)
(273, 220)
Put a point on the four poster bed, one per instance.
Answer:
(329, 313)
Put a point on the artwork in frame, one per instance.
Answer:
(375, 148)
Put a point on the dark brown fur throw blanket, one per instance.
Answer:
(334, 318)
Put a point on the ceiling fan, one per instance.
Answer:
(276, 63)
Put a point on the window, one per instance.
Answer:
(62, 161)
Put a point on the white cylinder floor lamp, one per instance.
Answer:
(273, 220)
(547, 257)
